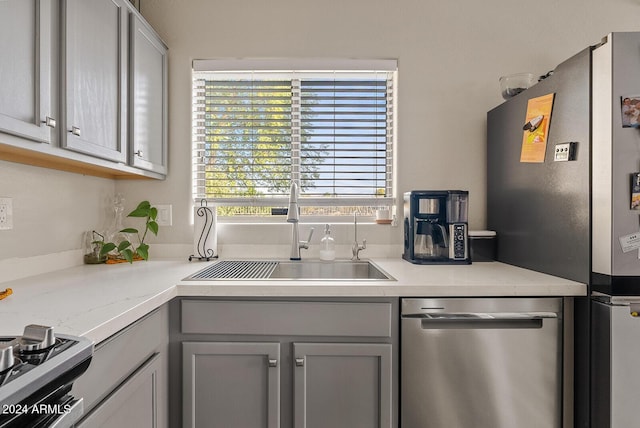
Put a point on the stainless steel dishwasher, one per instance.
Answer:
(481, 363)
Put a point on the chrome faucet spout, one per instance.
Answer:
(293, 213)
(295, 237)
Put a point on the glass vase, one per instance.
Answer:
(114, 233)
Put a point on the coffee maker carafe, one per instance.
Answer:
(435, 227)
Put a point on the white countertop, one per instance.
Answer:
(98, 300)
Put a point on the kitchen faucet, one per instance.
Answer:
(293, 217)
(356, 248)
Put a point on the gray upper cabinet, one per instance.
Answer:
(25, 70)
(95, 77)
(147, 95)
(89, 79)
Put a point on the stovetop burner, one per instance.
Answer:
(36, 359)
(24, 361)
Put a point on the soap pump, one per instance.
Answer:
(327, 245)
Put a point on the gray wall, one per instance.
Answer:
(450, 55)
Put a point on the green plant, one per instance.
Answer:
(126, 249)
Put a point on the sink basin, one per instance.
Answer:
(361, 269)
(301, 270)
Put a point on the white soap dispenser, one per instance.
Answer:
(327, 246)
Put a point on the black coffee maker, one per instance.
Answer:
(435, 227)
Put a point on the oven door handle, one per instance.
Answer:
(70, 416)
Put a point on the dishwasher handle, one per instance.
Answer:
(479, 316)
(481, 320)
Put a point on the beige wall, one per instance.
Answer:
(51, 209)
(450, 55)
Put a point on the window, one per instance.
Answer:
(330, 130)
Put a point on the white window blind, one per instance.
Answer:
(331, 131)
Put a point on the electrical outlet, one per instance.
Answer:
(164, 215)
(6, 213)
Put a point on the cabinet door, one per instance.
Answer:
(121, 355)
(342, 385)
(134, 403)
(95, 78)
(148, 98)
(25, 71)
(231, 384)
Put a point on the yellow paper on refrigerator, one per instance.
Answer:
(536, 129)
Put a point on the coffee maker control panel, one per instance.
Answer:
(459, 241)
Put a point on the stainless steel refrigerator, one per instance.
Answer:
(577, 218)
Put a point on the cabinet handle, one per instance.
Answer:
(138, 153)
(299, 362)
(75, 131)
(49, 121)
(273, 363)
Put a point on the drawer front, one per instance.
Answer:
(286, 318)
(119, 356)
(135, 403)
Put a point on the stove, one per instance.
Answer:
(37, 371)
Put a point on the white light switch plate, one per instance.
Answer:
(165, 217)
(6, 213)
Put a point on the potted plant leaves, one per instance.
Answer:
(127, 251)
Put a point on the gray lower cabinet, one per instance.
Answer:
(25, 69)
(126, 384)
(342, 385)
(132, 404)
(305, 363)
(231, 384)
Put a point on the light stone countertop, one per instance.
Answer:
(96, 301)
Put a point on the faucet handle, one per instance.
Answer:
(305, 244)
(310, 235)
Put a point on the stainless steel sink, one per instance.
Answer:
(292, 270)
(312, 269)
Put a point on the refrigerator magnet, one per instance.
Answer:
(630, 242)
(630, 111)
(635, 191)
(536, 129)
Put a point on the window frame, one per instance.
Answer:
(266, 67)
